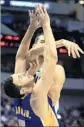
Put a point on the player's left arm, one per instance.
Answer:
(39, 102)
(72, 48)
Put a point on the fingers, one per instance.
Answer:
(45, 10)
(73, 52)
(74, 49)
(80, 50)
(77, 49)
(77, 53)
(68, 50)
(33, 64)
(30, 13)
(40, 10)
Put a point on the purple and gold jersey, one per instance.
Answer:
(25, 114)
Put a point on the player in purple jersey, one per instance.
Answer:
(43, 111)
(24, 78)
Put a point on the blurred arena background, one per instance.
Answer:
(67, 21)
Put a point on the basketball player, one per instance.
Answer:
(24, 62)
(37, 49)
(39, 94)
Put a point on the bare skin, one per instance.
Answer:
(57, 84)
(72, 48)
(41, 88)
(20, 57)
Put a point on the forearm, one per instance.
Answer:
(50, 59)
(25, 43)
(49, 43)
(34, 52)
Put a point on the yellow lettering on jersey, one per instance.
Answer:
(19, 110)
(27, 113)
(16, 110)
(22, 113)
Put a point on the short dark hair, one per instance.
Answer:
(11, 89)
(37, 36)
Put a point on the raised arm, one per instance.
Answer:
(38, 101)
(50, 54)
(20, 64)
(71, 47)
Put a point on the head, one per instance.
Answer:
(22, 79)
(14, 83)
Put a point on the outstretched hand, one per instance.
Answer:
(73, 48)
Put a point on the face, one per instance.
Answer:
(39, 40)
(23, 79)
